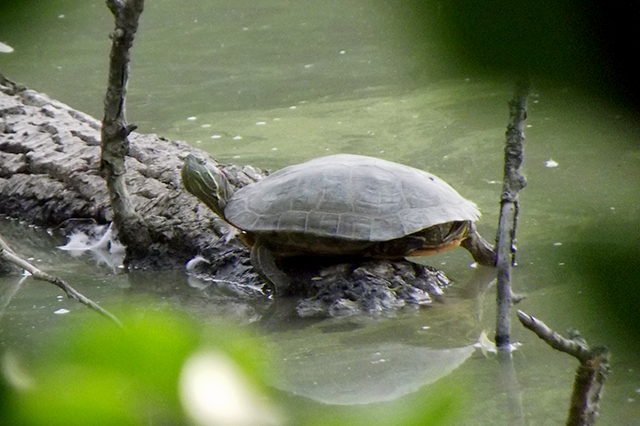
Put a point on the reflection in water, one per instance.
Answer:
(363, 370)
(478, 282)
(7, 293)
(368, 373)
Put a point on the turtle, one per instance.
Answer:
(341, 206)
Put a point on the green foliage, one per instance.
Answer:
(103, 375)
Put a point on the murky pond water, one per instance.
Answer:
(272, 83)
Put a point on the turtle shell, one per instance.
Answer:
(347, 198)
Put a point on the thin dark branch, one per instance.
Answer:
(574, 347)
(513, 182)
(7, 255)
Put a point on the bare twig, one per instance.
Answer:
(7, 255)
(132, 230)
(513, 182)
(573, 347)
(590, 376)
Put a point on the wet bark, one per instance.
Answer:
(131, 228)
(50, 176)
(321, 287)
(513, 182)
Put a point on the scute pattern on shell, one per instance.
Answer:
(349, 197)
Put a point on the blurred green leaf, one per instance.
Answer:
(100, 374)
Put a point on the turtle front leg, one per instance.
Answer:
(264, 262)
(482, 252)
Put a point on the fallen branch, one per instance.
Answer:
(7, 255)
(590, 376)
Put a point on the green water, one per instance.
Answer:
(271, 83)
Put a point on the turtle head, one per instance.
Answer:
(207, 182)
